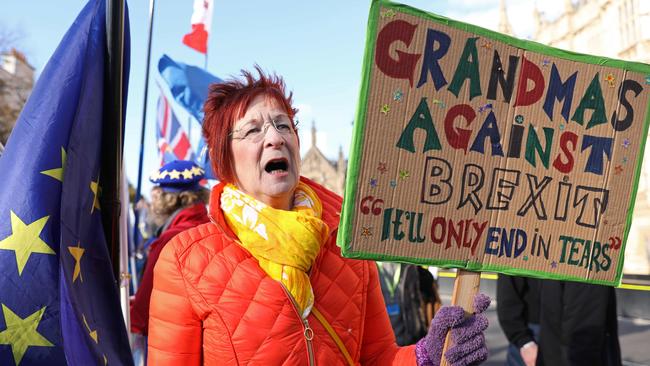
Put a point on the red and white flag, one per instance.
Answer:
(201, 22)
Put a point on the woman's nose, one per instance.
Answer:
(272, 137)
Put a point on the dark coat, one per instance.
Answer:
(518, 306)
(406, 301)
(578, 325)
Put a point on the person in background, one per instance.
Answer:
(178, 202)
(264, 281)
(411, 298)
(578, 325)
(144, 235)
(518, 304)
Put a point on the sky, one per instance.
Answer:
(317, 46)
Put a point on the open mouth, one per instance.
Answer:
(276, 166)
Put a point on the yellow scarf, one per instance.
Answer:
(285, 243)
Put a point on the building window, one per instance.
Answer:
(627, 20)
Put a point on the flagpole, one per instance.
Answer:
(189, 128)
(136, 223)
(189, 123)
(113, 129)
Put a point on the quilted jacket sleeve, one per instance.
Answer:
(140, 305)
(174, 328)
(378, 344)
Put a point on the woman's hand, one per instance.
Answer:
(466, 334)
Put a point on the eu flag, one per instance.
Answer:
(59, 302)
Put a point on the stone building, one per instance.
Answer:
(611, 28)
(618, 29)
(320, 169)
(16, 82)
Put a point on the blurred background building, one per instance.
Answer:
(317, 167)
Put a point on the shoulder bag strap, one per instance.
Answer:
(333, 334)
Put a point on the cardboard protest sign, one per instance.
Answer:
(476, 150)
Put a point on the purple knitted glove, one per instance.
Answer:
(466, 333)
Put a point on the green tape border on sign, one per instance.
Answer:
(344, 234)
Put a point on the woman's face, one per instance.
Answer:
(267, 165)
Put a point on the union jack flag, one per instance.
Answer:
(173, 143)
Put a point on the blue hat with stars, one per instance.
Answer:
(178, 176)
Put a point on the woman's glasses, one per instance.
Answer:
(255, 132)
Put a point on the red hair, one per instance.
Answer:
(227, 102)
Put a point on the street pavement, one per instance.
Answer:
(634, 336)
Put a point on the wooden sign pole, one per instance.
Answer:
(465, 288)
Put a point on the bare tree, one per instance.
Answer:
(9, 38)
(14, 86)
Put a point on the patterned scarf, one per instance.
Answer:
(285, 243)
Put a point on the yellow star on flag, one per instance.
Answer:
(58, 172)
(93, 333)
(187, 174)
(174, 174)
(25, 240)
(94, 186)
(77, 252)
(21, 333)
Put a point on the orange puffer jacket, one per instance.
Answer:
(213, 305)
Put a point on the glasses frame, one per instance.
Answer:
(265, 127)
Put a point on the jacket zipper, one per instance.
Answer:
(309, 335)
(307, 332)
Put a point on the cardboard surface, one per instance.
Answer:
(476, 150)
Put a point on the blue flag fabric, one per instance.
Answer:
(203, 160)
(59, 302)
(187, 87)
(188, 84)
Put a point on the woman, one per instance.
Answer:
(264, 282)
(177, 204)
